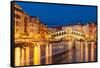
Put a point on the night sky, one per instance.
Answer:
(55, 15)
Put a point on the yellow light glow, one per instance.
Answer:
(37, 36)
(36, 55)
(81, 51)
(22, 58)
(17, 56)
(50, 54)
(47, 54)
(86, 51)
(27, 55)
(92, 51)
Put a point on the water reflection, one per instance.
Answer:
(55, 53)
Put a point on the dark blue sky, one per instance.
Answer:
(55, 15)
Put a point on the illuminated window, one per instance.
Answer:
(52, 35)
(17, 16)
(30, 19)
(55, 35)
(64, 32)
(32, 25)
(25, 18)
(59, 33)
(17, 23)
(79, 34)
(83, 35)
(17, 30)
(25, 24)
(73, 32)
(31, 30)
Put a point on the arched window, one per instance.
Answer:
(54, 35)
(64, 32)
(57, 34)
(79, 34)
(60, 33)
(83, 35)
(73, 32)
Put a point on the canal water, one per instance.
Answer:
(55, 53)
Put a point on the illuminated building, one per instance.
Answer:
(28, 29)
(43, 31)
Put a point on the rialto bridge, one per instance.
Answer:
(64, 46)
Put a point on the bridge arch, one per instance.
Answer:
(68, 33)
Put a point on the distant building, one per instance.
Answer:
(88, 31)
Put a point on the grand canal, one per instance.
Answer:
(54, 52)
